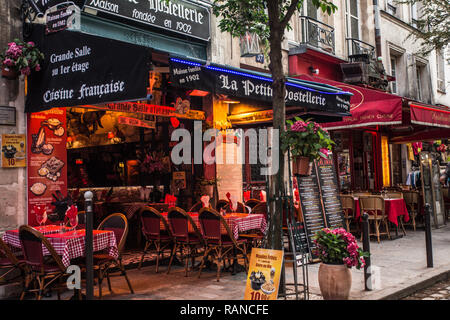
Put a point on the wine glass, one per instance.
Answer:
(41, 216)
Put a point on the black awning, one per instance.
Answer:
(83, 69)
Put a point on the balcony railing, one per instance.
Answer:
(317, 34)
(358, 48)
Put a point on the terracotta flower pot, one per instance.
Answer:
(301, 166)
(335, 281)
(8, 73)
(208, 190)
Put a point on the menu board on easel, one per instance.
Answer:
(311, 205)
(330, 193)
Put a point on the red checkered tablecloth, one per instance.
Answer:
(70, 245)
(238, 222)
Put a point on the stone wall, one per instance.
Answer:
(12, 181)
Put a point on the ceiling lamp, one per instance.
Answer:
(198, 93)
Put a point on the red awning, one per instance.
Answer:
(368, 107)
(429, 115)
(428, 134)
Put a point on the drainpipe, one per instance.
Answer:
(376, 14)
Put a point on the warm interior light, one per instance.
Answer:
(79, 161)
(110, 135)
(198, 93)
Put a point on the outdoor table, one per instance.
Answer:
(69, 245)
(238, 222)
(393, 209)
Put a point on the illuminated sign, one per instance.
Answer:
(151, 109)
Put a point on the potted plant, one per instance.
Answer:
(338, 251)
(20, 58)
(153, 165)
(308, 141)
(207, 186)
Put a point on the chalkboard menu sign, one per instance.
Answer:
(311, 205)
(320, 201)
(330, 193)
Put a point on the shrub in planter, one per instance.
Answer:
(339, 252)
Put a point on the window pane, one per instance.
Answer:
(311, 10)
(354, 7)
(354, 28)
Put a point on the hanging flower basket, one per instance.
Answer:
(20, 58)
(307, 141)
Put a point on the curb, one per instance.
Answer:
(418, 286)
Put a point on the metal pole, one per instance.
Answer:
(428, 243)
(88, 246)
(366, 248)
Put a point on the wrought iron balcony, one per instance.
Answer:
(317, 34)
(358, 49)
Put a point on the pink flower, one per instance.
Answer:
(31, 43)
(299, 126)
(26, 71)
(325, 151)
(38, 67)
(8, 62)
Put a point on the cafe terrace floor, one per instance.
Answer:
(401, 263)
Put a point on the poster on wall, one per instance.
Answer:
(264, 274)
(13, 151)
(47, 158)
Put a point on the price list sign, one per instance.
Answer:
(330, 193)
(310, 199)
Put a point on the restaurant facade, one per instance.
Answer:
(101, 112)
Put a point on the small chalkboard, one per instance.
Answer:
(300, 238)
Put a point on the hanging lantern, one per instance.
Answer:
(249, 45)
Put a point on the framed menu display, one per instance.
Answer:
(47, 158)
(431, 187)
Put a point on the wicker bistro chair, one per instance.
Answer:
(196, 207)
(186, 235)
(348, 206)
(374, 206)
(252, 203)
(161, 238)
(412, 204)
(222, 203)
(221, 244)
(240, 208)
(394, 195)
(46, 271)
(104, 263)
(9, 262)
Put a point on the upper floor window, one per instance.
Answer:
(352, 18)
(419, 82)
(391, 7)
(394, 74)
(310, 10)
(414, 15)
(440, 64)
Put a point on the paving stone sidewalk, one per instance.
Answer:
(399, 265)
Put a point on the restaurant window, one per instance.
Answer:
(352, 18)
(396, 156)
(394, 74)
(342, 158)
(251, 172)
